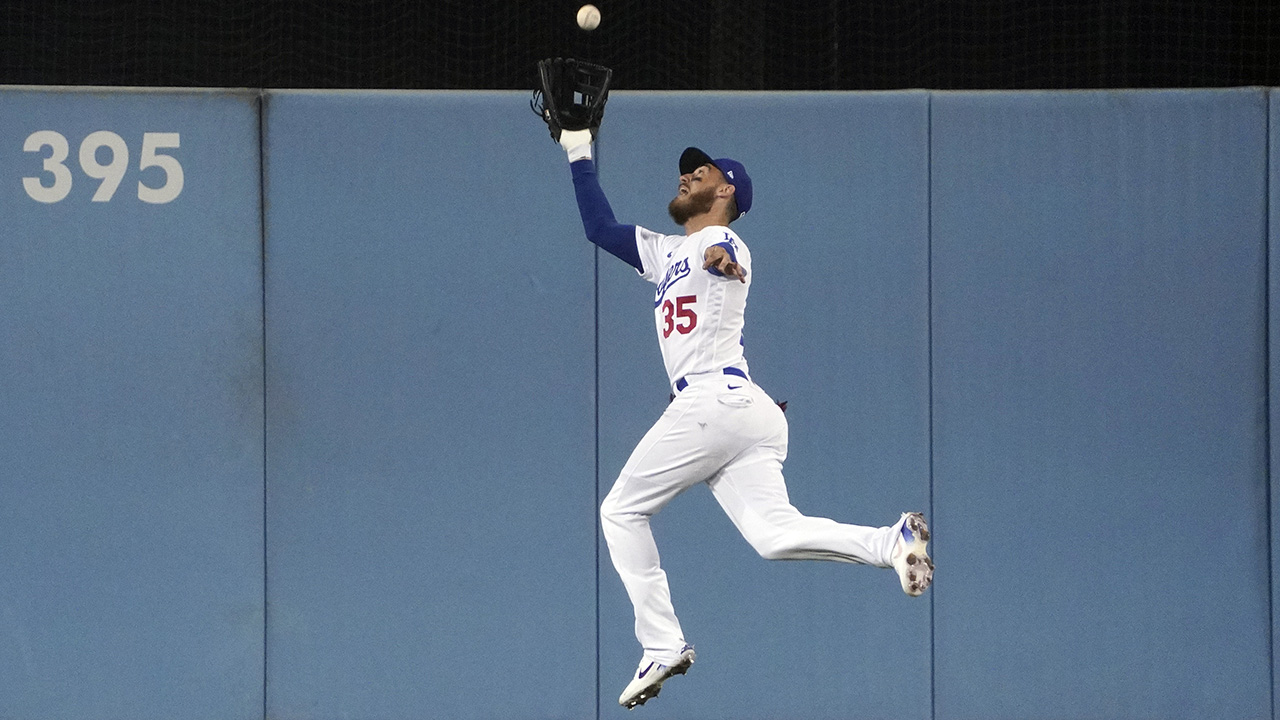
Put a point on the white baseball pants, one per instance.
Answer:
(726, 432)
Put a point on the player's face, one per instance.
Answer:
(695, 194)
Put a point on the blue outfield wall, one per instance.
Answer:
(1273, 365)
(1099, 389)
(131, 439)
(430, 399)
(1040, 317)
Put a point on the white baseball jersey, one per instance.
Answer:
(698, 315)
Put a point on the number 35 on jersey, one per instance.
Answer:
(679, 316)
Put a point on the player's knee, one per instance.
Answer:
(609, 508)
(772, 553)
(768, 547)
(615, 507)
(611, 513)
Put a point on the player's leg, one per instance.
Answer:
(677, 453)
(754, 495)
(752, 491)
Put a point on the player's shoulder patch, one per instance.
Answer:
(731, 239)
(720, 235)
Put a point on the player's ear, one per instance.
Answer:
(726, 191)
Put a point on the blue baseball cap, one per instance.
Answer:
(734, 173)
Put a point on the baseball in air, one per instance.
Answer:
(588, 17)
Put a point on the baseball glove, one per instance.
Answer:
(572, 95)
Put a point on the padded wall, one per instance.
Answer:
(1095, 325)
(130, 406)
(1099, 455)
(430, 412)
(1273, 334)
(837, 325)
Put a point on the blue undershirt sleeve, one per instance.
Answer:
(597, 217)
(733, 255)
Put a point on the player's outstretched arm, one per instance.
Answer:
(719, 260)
(597, 217)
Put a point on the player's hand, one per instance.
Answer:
(720, 259)
(577, 143)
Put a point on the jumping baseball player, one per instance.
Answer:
(721, 428)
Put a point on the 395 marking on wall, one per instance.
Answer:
(55, 149)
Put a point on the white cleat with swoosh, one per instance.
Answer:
(649, 678)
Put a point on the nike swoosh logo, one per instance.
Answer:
(734, 387)
(646, 671)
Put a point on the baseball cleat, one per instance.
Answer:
(650, 676)
(911, 555)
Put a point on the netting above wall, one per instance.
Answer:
(652, 44)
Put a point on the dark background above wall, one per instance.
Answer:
(652, 44)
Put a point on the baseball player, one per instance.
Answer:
(720, 427)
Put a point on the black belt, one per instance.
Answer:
(682, 383)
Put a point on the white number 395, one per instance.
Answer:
(110, 173)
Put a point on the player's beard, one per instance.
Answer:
(684, 207)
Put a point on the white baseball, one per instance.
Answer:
(588, 17)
